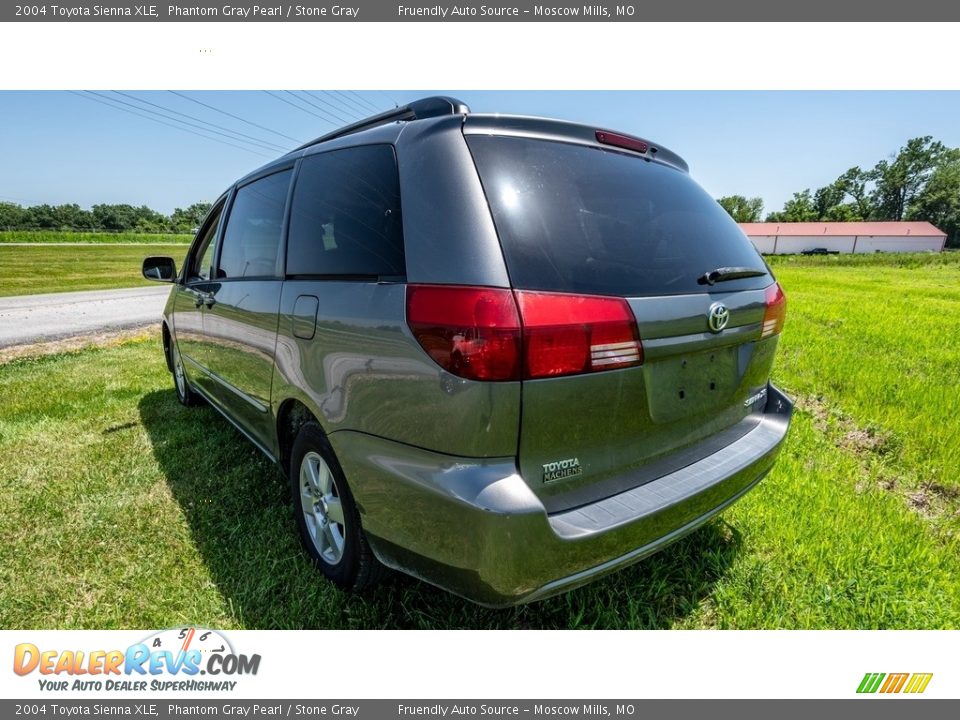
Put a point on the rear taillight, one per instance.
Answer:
(473, 332)
(482, 333)
(569, 334)
(775, 313)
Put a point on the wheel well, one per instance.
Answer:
(166, 347)
(292, 416)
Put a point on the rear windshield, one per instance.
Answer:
(573, 218)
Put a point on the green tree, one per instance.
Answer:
(799, 208)
(116, 218)
(42, 217)
(854, 182)
(12, 216)
(899, 182)
(72, 217)
(847, 212)
(147, 220)
(827, 199)
(939, 200)
(184, 220)
(742, 209)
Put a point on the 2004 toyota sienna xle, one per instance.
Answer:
(505, 355)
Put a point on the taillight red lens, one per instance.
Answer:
(473, 332)
(480, 333)
(776, 312)
(568, 334)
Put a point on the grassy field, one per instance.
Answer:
(26, 269)
(56, 236)
(119, 508)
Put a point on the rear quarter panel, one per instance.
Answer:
(363, 371)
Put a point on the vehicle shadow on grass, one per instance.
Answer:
(241, 520)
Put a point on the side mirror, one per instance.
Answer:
(160, 269)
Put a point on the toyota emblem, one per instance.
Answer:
(717, 317)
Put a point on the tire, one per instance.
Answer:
(326, 514)
(185, 393)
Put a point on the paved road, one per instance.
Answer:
(35, 318)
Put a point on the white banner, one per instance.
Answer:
(470, 664)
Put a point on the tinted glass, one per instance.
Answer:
(203, 257)
(573, 218)
(345, 219)
(251, 240)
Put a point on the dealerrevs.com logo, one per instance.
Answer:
(891, 683)
(180, 659)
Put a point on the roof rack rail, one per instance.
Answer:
(424, 108)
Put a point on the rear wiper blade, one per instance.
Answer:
(722, 274)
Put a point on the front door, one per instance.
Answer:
(189, 299)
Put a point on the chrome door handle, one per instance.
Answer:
(204, 299)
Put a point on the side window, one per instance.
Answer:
(202, 261)
(345, 218)
(251, 239)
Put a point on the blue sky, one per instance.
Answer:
(59, 147)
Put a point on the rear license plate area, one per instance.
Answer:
(685, 385)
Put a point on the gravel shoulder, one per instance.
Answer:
(30, 319)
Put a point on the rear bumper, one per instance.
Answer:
(475, 528)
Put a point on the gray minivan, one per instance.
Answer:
(505, 355)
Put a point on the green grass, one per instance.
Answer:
(57, 236)
(26, 269)
(119, 508)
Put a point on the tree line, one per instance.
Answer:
(100, 218)
(920, 182)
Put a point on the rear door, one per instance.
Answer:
(240, 320)
(589, 221)
(342, 304)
